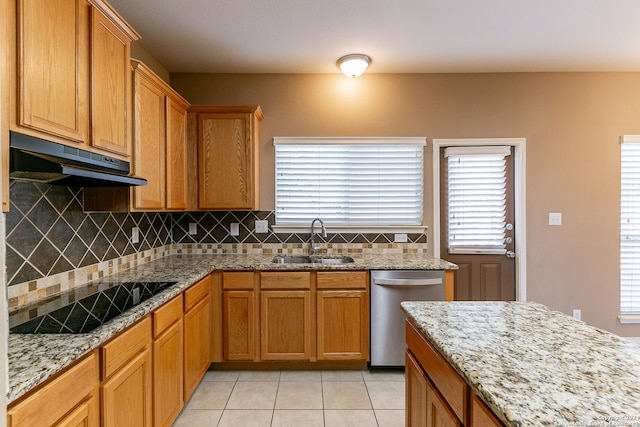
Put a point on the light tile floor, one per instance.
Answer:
(297, 399)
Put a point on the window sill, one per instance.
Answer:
(627, 319)
(333, 229)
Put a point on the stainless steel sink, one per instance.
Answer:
(291, 260)
(302, 259)
(332, 259)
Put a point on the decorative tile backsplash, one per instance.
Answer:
(53, 246)
(48, 233)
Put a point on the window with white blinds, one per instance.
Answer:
(630, 225)
(351, 182)
(476, 194)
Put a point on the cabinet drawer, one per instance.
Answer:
(49, 403)
(342, 280)
(450, 385)
(167, 315)
(285, 280)
(237, 280)
(196, 293)
(124, 347)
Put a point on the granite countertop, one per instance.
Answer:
(33, 358)
(534, 366)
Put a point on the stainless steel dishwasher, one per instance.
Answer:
(388, 289)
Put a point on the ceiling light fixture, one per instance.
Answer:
(354, 64)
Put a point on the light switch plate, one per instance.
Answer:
(262, 226)
(135, 235)
(193, 228)
(234, 229)
(555, 218)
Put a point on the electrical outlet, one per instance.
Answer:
(262, 226)
(234, 229)
(135, 235)
(555, 218)
(577, 313)
(400, 238)
(193, 228)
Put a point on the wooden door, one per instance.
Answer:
(126, 396)
(53, 67)
(176, 155)
(197, 343)
(168, 375)
(110, 85)
(483, 274)
(285, 325)
(225, 161)
(438, 413)
(239, 317)
(343, 325)
(149, 143)
(416, 393)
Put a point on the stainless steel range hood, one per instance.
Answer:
(37, 160)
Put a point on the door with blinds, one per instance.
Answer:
(477, 220)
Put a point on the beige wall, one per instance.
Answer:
(572, 123)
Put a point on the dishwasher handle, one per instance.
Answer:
(407, 282)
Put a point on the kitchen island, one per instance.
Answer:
(533, 366)
(34, 358)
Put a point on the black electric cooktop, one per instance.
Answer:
(88, 313)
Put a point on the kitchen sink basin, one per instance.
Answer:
(302, 259)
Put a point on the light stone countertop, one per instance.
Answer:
(534, 366)
(33, 358)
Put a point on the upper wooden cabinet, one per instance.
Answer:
(73, 84)
(227, 157)
(159, 150)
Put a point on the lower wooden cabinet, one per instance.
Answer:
(197, 334)
(125, 393)
(285, 325)
(70, 399)
(481, 415)
(126, 396)
(416, 383)
(436, 396)
(168, 366)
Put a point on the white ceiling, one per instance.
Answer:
(401, 36)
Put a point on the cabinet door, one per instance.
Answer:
(85, 415)
(197, 343)
(53, 67)
(168, 375)
(416, 397)
(239, 319)
(481, 415)
(110, 85)
(438, 412)
(285, 325)
(225, 161)
(176, 159)
(343, 325)
(71, 393)
(149, 143)
(126, 396)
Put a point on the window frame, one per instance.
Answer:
(292, 228)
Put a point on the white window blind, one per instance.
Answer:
(355, 182)
(630, 225)
(476, 192)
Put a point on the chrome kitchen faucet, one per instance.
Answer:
(313, 249)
